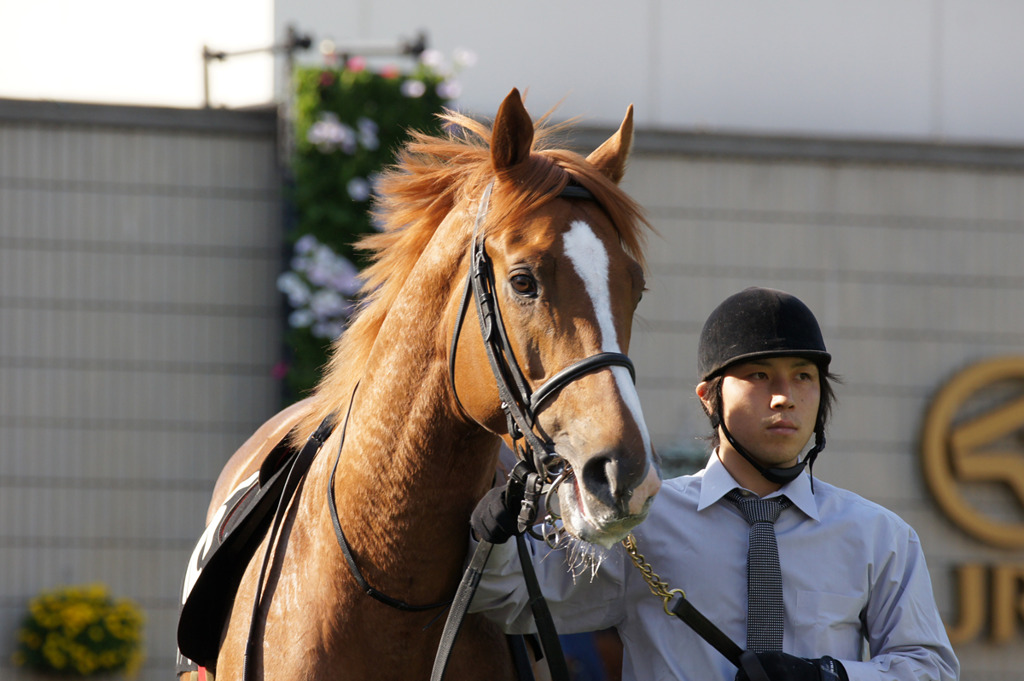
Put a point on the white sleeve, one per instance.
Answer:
(580, 599)
(907, 638)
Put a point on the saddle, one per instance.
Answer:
(225, 549)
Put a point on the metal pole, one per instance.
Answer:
(295, 41)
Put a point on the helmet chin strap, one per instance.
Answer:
(779, 476)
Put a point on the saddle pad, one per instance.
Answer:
(222, 554)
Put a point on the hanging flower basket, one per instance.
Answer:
(351, 120)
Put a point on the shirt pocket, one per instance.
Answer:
(833, 611)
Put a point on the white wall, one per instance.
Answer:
(924, 69)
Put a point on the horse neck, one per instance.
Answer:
(411, 469)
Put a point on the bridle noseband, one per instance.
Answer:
(518, 401)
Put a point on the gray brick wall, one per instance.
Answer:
(139, 324)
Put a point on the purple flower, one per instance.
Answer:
(358, 189)
(413, 88)
(326, 304)
(306, 244)
(463, 58)
(432, 58)
(300, 319)
(368, 133)
(449, 89)
(294, 288)
(329, 133)
(329, 330)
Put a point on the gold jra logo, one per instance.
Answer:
(972, 449)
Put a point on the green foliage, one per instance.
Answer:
(80, 631)
(350, 122)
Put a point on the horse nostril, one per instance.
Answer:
(601, 478)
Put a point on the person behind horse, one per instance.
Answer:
(856, 597)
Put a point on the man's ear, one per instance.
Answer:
(703, 391)
(705, 395)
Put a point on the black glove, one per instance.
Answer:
(781, 666)
(492, 519)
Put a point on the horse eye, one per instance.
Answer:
(523, 284)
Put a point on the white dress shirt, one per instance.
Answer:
(855, 585)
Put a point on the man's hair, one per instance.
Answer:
(828, 398)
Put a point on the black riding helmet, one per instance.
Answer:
(761, 322)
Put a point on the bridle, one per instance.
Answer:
(539, 462)
(539, 469)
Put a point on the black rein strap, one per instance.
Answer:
(706, 629)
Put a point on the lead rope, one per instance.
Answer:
(685, 610)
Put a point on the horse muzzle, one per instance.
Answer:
(601, 507)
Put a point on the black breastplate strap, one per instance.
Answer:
(346, 549)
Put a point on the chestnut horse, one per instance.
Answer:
(424, 424)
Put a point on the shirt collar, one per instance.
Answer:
(717, 482)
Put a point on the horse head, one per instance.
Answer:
(565, 276)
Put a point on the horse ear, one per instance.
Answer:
(610, 157)
(512, 136)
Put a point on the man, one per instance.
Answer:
(855, 600)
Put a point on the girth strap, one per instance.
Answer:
(295, 474)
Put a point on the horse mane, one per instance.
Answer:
(432, 177)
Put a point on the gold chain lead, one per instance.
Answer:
(655, 583)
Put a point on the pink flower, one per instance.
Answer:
(326, 78)
(390, 71)
(356, 64)
(280, 370)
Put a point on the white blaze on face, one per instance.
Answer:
(590, 260)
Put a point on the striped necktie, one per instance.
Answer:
(765, 612)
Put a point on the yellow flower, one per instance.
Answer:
(30, 638)
(54, 652)
(96, 591)
(81, 629)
